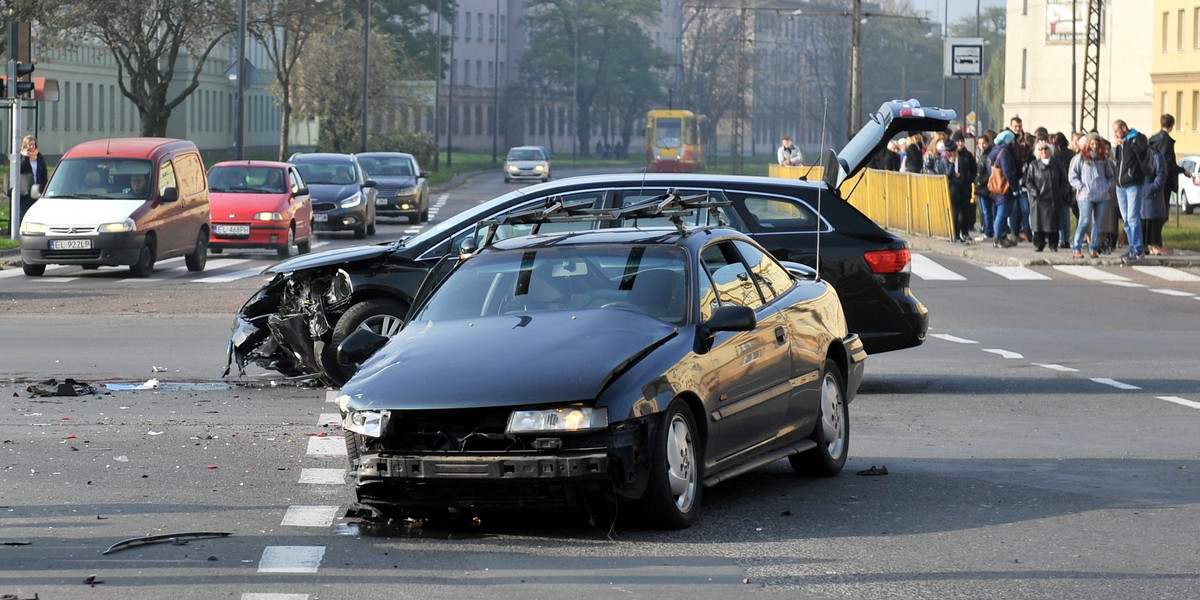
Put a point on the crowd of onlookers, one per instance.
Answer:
(1019, 186)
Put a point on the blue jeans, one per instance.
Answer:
(1090, 215)
(1002, 210)
(1064, 224)
(987, 211)
(1129, 202)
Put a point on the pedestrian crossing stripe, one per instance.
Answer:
(925, 268)
(1017, 273)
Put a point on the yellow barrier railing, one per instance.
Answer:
(913, 202)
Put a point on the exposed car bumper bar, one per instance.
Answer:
(856, 357)
(574, 467)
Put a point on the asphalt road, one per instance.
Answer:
(1041, 445)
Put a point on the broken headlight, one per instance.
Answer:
(371, 423)
(575, 418)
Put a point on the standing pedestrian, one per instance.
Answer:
(987, 208)
(1165, 144)
(958, 180)
(1132, 156)
(1003, 158)
(787, 154)
(1154, 210)
(33, 176)
(1091, 175)
(913, 153)
(1046, 184)
(1063, 153)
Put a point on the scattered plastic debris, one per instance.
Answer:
(874, 471)
(178, 539)
(68, 387)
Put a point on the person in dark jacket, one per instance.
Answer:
(958, 179)
(1154, 210)
(987, 207)
(913, 154)
(33, 175)
(1063, 153)
(1046, 184)
(1165, 145)
(1002, 156)
(1132, 154)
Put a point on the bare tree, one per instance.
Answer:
(284, 28)
(153, 41)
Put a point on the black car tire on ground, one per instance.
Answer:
(832, 433)
(197, 260)
(371, 224)
(672, 496)
(216, 249)
(285, 250)
(414, 219)
(33, 270)
(424, 210)
(305, 246)
(360, 232)
(381, 315)
(145, 262)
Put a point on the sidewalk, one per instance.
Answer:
(1023, 254)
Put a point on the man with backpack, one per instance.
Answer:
(1132, 155)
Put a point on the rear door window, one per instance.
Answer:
(767, 214)
(700, 217)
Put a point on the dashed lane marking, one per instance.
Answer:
(291, 559)
(309, 516)
(1114, 383)
(323, 476)
(1119, 283)
(1006, 354)
(1169, 292)
(1180, 401)
(925, 268)
(952, 338)
(270, 596)
(1054, 367)
(327, 446)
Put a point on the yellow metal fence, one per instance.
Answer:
(913, 202)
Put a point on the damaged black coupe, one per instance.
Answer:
(627, 367)
(295, 322)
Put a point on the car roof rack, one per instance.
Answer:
(671, 204)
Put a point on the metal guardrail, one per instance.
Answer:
(916, 203)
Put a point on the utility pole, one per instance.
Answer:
(239, 133)
(739, 93)
(437, 80)
(366, 62)
(854, 106)
(496, 86)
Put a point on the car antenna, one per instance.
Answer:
(821, 188)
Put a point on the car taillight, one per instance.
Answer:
(888, 261)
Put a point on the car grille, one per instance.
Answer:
(449, 431)
(387, 192)
(71, 254)
(324, 206)
(73, 230)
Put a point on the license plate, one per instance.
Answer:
(233, 230)
(382, 201)
(320, 217)
(70, 244)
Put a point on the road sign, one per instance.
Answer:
(963, 57)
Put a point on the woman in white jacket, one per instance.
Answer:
(1091, 176)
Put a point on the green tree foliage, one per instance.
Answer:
(596, 52)
(153, 42)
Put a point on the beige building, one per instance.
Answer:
(1176, 69)
(1044, 62)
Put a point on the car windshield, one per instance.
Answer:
(387, 166)
(338, 173)
(525, 154)
(246, 180)
(643, 278)
(101, 179)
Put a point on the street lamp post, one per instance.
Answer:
(365, 71)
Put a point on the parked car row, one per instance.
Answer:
(134, 201)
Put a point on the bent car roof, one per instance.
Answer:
(659, 236)
(252, 163)
(136, 147)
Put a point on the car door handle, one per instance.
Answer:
(780, 335)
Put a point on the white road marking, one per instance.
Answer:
(227, 277)
(1018, 273)
(1006, 354)
(1089, 273)
(1166, 273)
(952, 338)
(291, 559)
(331, 395)
(309, 516)
(269, 596)
(1180, 401)
(329, 419)
(1168, 292)
(1115, 383)
(1054, 367)
(323, 476)
(326, 446)
(925, 268)
(1128, 284)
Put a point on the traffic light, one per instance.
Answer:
(17, 88)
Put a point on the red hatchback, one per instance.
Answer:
(259, 204)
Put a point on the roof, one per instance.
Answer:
(657, 236)
(253, 163)
(321, 157)
(134, 147)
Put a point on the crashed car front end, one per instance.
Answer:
(434, 460)
(280, 327)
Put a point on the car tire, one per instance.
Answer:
(672, 496)
(424, 209)
(371, 224)
(304, 246)
(360, 232)
(832, 433)
(33, 270)
(197, 260)
(285, 250)
(414, 219)
(216, 249)
(145, 262)
(381, 315)
(1187, 207)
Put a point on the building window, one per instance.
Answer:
(467, 29)
(91, 108)
(479, 73)
(478, 120)
(1179, 29)
(466, 120)
(1195, 112)
(479, 25)
(504, 28)
(1024, 63)
(1196, 27)
(491, 74)
(1166, 16)
(491, 28)
(466, 72)
(1178, 103)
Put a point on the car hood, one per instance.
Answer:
(525, 164)
(508, 360)
(881, 126)
(84, 212)
(242, 207)
(332, 192)
(395, 181)
(338, 257)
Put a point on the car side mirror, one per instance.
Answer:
(469, 246)
(170, 194)
(301, 191)
(359, 346)
(731, 317)
(370, 183)
(424, 174)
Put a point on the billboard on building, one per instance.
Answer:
(1066, 19)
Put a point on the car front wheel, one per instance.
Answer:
(381, 315)
(145, 262)
(285, 250)
(197, 260)
(832, 433)
(672, 496)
